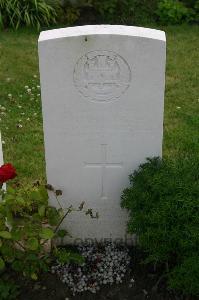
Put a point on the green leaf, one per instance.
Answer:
(62, 233)
(44, 194)
(17, 235)
(34, 276)
(35, 196)
(53, 216)
(77, 258)
(65, 256)
(47, 233)
(8, 252)
(2, 264)
(32, 244)
(10, 190)
(5, 235)
(41, 210)
(17, 266)
(36, 217)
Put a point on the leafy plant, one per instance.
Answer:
(183, 277)
(34, 13)
(196, 11)
(125, 11)
(112, 11)
(173, 12)
(29, 226)
(163, 203)
(107, 9)
(65, 256)
(70, 12)
(8, 290)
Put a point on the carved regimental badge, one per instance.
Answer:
(102, 75)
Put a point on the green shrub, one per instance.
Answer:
(184, 277)
(29, 227)
(196, 11)
(108, 9)
(8, 290)
(193, 6)
(126, 12)
(190, 3)
(163, 201)
(174, 12)
(34, 13)
(26, 230)
(70, 12)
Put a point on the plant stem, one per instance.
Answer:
(62, 219)
(21, 246)
(58, 201)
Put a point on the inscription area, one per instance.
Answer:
(102, 75)
(103, 164)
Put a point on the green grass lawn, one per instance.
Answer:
(20, 110)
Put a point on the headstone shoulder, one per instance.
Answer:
(103, 29)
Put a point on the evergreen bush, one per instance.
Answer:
(163, 201)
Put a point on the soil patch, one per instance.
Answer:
(137, 285)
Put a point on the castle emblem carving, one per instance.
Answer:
(102, 75)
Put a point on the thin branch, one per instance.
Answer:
(62, 219)
(21, 246)
(57, 198)
(155, 287)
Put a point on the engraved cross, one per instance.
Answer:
(103, 165)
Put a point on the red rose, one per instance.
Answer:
(7, 172)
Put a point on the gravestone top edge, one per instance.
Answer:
(102, 30)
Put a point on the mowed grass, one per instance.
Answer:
(21, 122)
(20, 111)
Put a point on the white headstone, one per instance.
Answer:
(1, 160)
(1, 152)
(103, 98)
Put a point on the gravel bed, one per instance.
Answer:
(104, 264)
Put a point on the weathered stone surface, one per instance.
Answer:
(103, 97)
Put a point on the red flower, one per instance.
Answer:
(7, 172)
